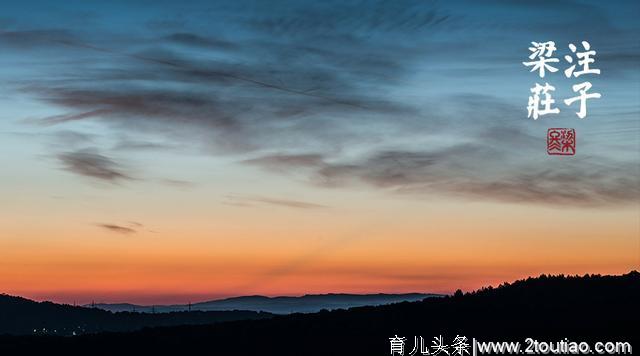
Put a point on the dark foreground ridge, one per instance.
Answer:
(20, 316)
(548, 308)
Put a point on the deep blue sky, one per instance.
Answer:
(368, 89)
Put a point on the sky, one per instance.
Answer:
(176, 151)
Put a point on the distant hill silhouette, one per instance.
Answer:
(548, 308)
(23, 316)
(310, 303)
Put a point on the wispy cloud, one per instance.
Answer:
(462, 171)
(178, 183)
(385, 95)
(91, 164)
(126, 228)
(252, 200)
(117, 229)
(289, 203)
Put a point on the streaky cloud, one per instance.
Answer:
(89, 163)
(117, 229)
(251, 200)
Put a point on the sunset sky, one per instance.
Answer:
(176, 151)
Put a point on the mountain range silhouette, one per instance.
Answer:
(309, 303)
(547, 308)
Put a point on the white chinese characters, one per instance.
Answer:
(582, 88)
(585, 59)
(541, 100)
(397, 345)
(459, 347)
(535, 102)
(542, 53)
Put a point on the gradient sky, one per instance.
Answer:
(174, 151)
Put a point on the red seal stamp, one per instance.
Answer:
(561, 142)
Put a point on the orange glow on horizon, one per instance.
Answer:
(428, 248)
